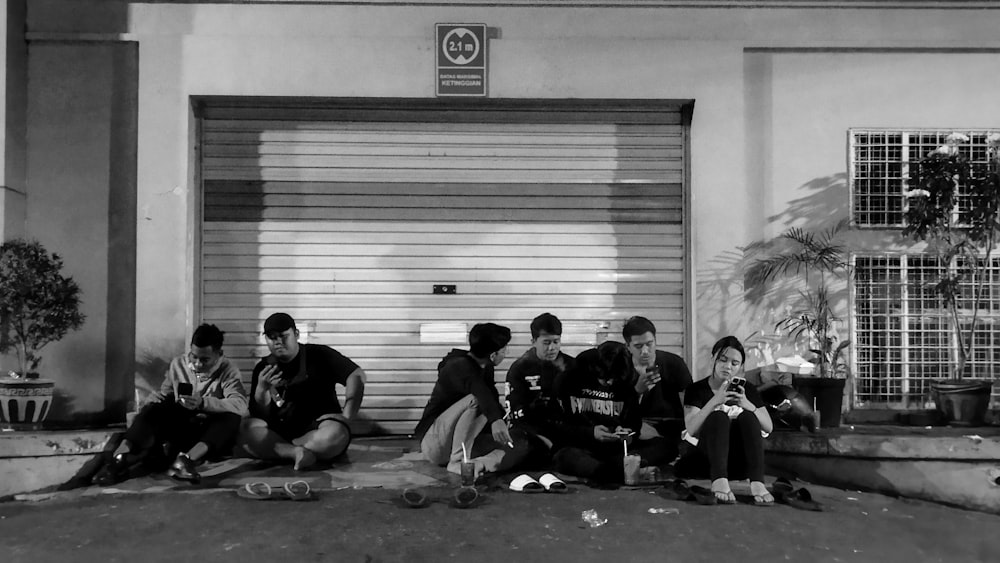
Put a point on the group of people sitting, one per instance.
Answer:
(575, 413)
(569, 413)
(292, 412)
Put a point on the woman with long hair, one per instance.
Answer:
(726, 415)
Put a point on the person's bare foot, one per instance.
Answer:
(723, 494)
(304, 459)
(761, 495)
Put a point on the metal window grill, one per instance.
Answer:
(903, 333)
(880, 163)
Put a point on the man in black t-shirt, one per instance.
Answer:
(659, 378)
(531, 398)
(294, 411)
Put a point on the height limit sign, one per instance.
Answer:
(461, 59)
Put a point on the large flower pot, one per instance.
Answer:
(962, 402)
(826, 394)
(24, 402)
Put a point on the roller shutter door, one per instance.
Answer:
(348, 219)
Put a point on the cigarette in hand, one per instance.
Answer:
(510, 444)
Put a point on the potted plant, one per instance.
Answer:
(954, 206)
(38, 305)
(820, 259)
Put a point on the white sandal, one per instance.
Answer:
(526, 484)
(553, 484)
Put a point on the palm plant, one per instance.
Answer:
(819, 258)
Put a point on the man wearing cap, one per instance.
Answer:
(465, 402)
(294, 411)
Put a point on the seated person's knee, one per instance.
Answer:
(330, 439)
(748, 418)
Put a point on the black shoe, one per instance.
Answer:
(114, 471)
(183, 469)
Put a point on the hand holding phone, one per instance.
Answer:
(737, 384)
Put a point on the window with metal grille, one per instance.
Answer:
(880, 162)
(903, 335)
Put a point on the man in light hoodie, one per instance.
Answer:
(196, 412)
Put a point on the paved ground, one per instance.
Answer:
(356, 519)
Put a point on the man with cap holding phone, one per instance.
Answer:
(295, 414)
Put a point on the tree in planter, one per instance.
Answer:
(953, 206)
(38, 305)
(820, 258)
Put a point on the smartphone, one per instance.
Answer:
(185, 389)
(736, 384)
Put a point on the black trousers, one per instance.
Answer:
(605, 461)
(169, 423)
(727, 448)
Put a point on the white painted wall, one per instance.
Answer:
(766, 123)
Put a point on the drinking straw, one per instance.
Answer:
(465, 454)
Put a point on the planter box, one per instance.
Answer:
(825, 394)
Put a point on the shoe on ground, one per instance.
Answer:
(114, 471)
(183, 469)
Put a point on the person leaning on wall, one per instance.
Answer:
(196, 413)
(727, 420)
(295, 414)
(464, 407)
(532, 404)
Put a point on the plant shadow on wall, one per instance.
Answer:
(954, 206)
(823, 206)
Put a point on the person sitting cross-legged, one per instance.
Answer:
(600, 410)
(295, 415)
(727, 417)
(196, 412)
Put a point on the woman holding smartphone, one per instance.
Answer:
(726, 417)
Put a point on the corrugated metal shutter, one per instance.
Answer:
(346, 221)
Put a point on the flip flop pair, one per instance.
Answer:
(292, 490)
(463, 497)
(547, 483)
(784, 493)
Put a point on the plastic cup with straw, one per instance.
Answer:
(631, 465)
(468, 469)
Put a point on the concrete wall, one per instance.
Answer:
(775, 91)
(13, 126)
(81, 205)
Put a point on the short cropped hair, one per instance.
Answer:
(546, 322)
(486, 338)
(728, 342)
(635, 326)
(208, 335)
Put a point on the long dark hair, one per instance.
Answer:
(728, 342)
